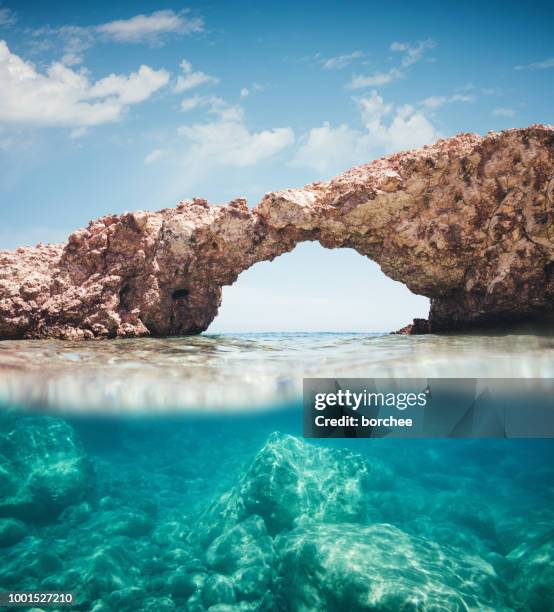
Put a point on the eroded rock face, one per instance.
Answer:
(468, 222)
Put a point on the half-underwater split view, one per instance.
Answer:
(276, 306)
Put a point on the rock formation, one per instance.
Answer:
(468, 222)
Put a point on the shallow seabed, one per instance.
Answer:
(192, 509)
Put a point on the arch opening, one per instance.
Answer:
(314, 289)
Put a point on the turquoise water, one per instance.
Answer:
(214, 501)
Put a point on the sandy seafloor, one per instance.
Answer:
(173, 475)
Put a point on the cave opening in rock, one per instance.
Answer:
(316, 289)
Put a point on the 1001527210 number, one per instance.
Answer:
(26, 598)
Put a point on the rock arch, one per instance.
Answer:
(467, 222)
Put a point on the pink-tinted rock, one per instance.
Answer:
(468, 222)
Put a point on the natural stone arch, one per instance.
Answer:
(467, 222)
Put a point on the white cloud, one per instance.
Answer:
(387, 128)
(188, 104)
(150, 28)
(547, 63)
(78, 132)
(434, 102)
(215, 105)
(412, 53)
(130, 89)
(191, 79)
(72, 41)
(327, 148)
(63, 97)
(340, 61)
(228, 141)
(155, 156)
(248, 91)
(359, 81)
(7, 17)
(504, 112)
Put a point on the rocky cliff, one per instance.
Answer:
(468, 222)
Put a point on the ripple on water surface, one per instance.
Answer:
(246, 370)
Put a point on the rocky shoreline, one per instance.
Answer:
(468, 222)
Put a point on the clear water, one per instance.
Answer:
(246, 370)
(147, 475)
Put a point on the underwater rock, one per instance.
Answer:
(157, 604)
(218, 589)
(289, 479)
(109, 568)
(288, 483)
(245, 553)
(533, 572)
(379, 567)
(131, 523)
(43, 469)
(11, 532)
(467, 222)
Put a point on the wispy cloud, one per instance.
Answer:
(190, 79)
(151, 28)
(7, 17)
(336, 62)
(410, 54)
(547, 63)
(340, 61)
(155, 156)
(63, 97)
(504, 112)
(214, 105)
(254, 88)
(434, 102)
(378, 79)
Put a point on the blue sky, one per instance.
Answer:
(107, 107)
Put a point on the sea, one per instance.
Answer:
(173, 474)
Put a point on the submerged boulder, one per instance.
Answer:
(287, 483)
(290, 480)
(11, 532)
(379, 567)
(296, 533)
(245, 553)
(43, 469)
(533, 572)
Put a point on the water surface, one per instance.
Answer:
(246, 370)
